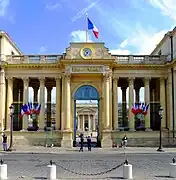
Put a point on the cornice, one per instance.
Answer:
(29, 66)
(88, 61)
(137, 66)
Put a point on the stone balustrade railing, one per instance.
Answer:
(139, 59)
(120, 59)
(32, 59)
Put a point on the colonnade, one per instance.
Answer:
(81, 119)
(63, 101)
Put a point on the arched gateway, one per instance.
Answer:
(87, 92)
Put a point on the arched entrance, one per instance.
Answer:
(85, 93)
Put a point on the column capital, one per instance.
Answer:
(9, 78)
(42, 80)
(131, 80)
(147, 81)
(58, 78)
(162, 78)
(115, 77)
(25, 81)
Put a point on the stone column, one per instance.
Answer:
(106, 134)
(115, 103)
(83, 122)
(78, 123)
(2, 97)
(25, 101)
(94, 123)
(9, 101)
(58, 103)
(49, 120)
(67, 104)
(42, 102)
(124, 107)
(63, 103)
(163, 100)
(137, 96)
(131, 102)
(147, 101)
(89, 120)
(67, 140)
(170, 104)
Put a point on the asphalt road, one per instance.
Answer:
(72, 165)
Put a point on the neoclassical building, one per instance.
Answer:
(87, 71)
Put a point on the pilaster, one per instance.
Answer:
(106, 134)
(67, 140)
(58, 103)
(2, 97)
(9, 101)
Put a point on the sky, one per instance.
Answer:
(126, 27)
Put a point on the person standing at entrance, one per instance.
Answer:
(89, 143)
(4, 141)
(81, 141)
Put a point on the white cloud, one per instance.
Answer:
(43, 49)
(83, 11)
(167, 7)
(143, 41)
(54, 6)
(3, 7)
(119, 52)
(79, 36)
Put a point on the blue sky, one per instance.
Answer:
(126, 27)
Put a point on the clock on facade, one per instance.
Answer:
(86, 53)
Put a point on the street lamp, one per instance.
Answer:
(12, 109)
(160, 112)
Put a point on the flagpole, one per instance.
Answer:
(86, 28)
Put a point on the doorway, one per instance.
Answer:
(86, 114)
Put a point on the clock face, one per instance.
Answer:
(87, 52)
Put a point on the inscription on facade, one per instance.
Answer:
(87, 69)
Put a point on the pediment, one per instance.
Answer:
(86, 110)
(99, 51)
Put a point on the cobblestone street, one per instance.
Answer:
(146, 166)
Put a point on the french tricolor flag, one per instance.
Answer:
(92, 27)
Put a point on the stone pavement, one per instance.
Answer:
(58, 150)
(73, 164)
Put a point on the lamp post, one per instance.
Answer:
(160, 112)
(11, 108)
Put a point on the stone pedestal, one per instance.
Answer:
(106, 141)
(67, 139)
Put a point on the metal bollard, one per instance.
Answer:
(172, 168)
(51, 171)
(127, 171)
(3, 170)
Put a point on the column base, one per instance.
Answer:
(67, 139)
(148, 130)
(106, 141)
(132, 130)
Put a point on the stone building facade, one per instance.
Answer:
(87, 71)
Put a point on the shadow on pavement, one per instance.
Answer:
(164, 177)
(40, 178)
